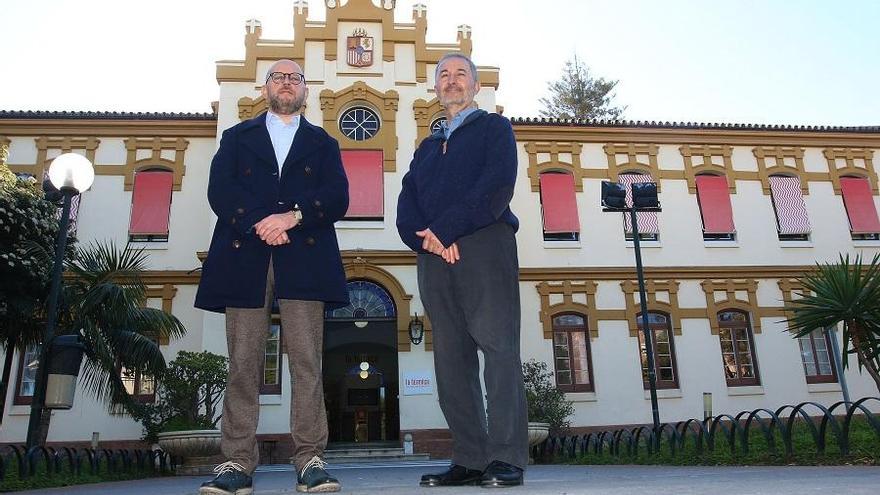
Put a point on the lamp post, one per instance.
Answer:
(644, 198)
(71, 174)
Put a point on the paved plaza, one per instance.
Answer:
(402, 478)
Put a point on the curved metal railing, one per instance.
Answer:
(49, 461)
(724, 431)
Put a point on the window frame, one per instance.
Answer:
(715, 236)
(568, 330)
(819, 377)
(653, 328)
(139, 378)
(558, 236)
(273, 389)
(142, 237)
(731, 327)
(18, 399)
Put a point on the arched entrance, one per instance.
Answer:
(360, 368)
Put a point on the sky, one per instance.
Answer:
(805, 62)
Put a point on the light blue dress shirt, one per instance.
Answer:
(449, 126)
(282, 136)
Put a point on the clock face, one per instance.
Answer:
(368, 300)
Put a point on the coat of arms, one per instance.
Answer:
(360, 49)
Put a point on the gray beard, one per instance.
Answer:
(281, 108)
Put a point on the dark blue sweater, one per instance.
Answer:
(463, 190)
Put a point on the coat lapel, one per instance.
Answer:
(257, 140)
(305, 142)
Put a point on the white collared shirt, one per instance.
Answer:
(282, 136)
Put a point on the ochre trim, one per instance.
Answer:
(652, 287)
(166, 293)
(555, 164)
(851, 156)
(567, 289)
(361, 269)
(706, 166)
(334, 103)
(632, 164)
(84, 128)
(778, 154)
(730, 287)
(155, 145)
(425, 112)
(699, 137)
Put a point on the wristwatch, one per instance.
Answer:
(297, 213)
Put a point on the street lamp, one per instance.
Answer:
(71, 174)
(644, 198)
(416, 330)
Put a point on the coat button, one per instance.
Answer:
(275, 174)
(317, 203)
(247, 171)
(310, 241)
(240, 211)
(320, 214)
(232, 221)
(236, 244)
(308, 170)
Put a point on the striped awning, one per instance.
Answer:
(788, 201)
(648, 220)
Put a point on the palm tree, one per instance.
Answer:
(104, 300)
(847, 292)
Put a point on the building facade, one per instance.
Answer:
(746, 210)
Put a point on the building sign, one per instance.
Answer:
(360, 49)
(418, 383)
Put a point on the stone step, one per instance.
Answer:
(371, 455)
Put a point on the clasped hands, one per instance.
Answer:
(432, 244)
(273, 229)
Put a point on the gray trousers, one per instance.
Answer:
(474, 304)
(302, 333)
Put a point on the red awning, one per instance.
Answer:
(788, 200)
(860, 207)
(151, 203)
(365, 183)
(558, 203)
(715, 208)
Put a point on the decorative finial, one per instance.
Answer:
(300, 7)
(464, 32)
(419, 10)
(253, 25)
(331, 4)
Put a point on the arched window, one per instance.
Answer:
(792, 221)
(665, 366)
(150, 205)
(858, 200)
(437, 124)
(571, 353)
(737, 349)
(359, 123)
(816, 356)
(368, 301)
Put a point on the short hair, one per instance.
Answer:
(461, 56)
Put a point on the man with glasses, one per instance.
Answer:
(277, 186)
(453, 211)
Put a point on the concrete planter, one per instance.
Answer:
(195, 447)
(538, 432)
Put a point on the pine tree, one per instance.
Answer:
(578, 95)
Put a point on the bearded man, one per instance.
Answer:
(277, 186)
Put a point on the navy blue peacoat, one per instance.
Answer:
(244, 188)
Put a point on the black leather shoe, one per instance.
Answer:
(454, 476)
(231, 479)
(500, 474)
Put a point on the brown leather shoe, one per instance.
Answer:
(500, 474)
(454, 476)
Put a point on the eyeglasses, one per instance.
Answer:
(294, 77)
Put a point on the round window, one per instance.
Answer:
(359, 123)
